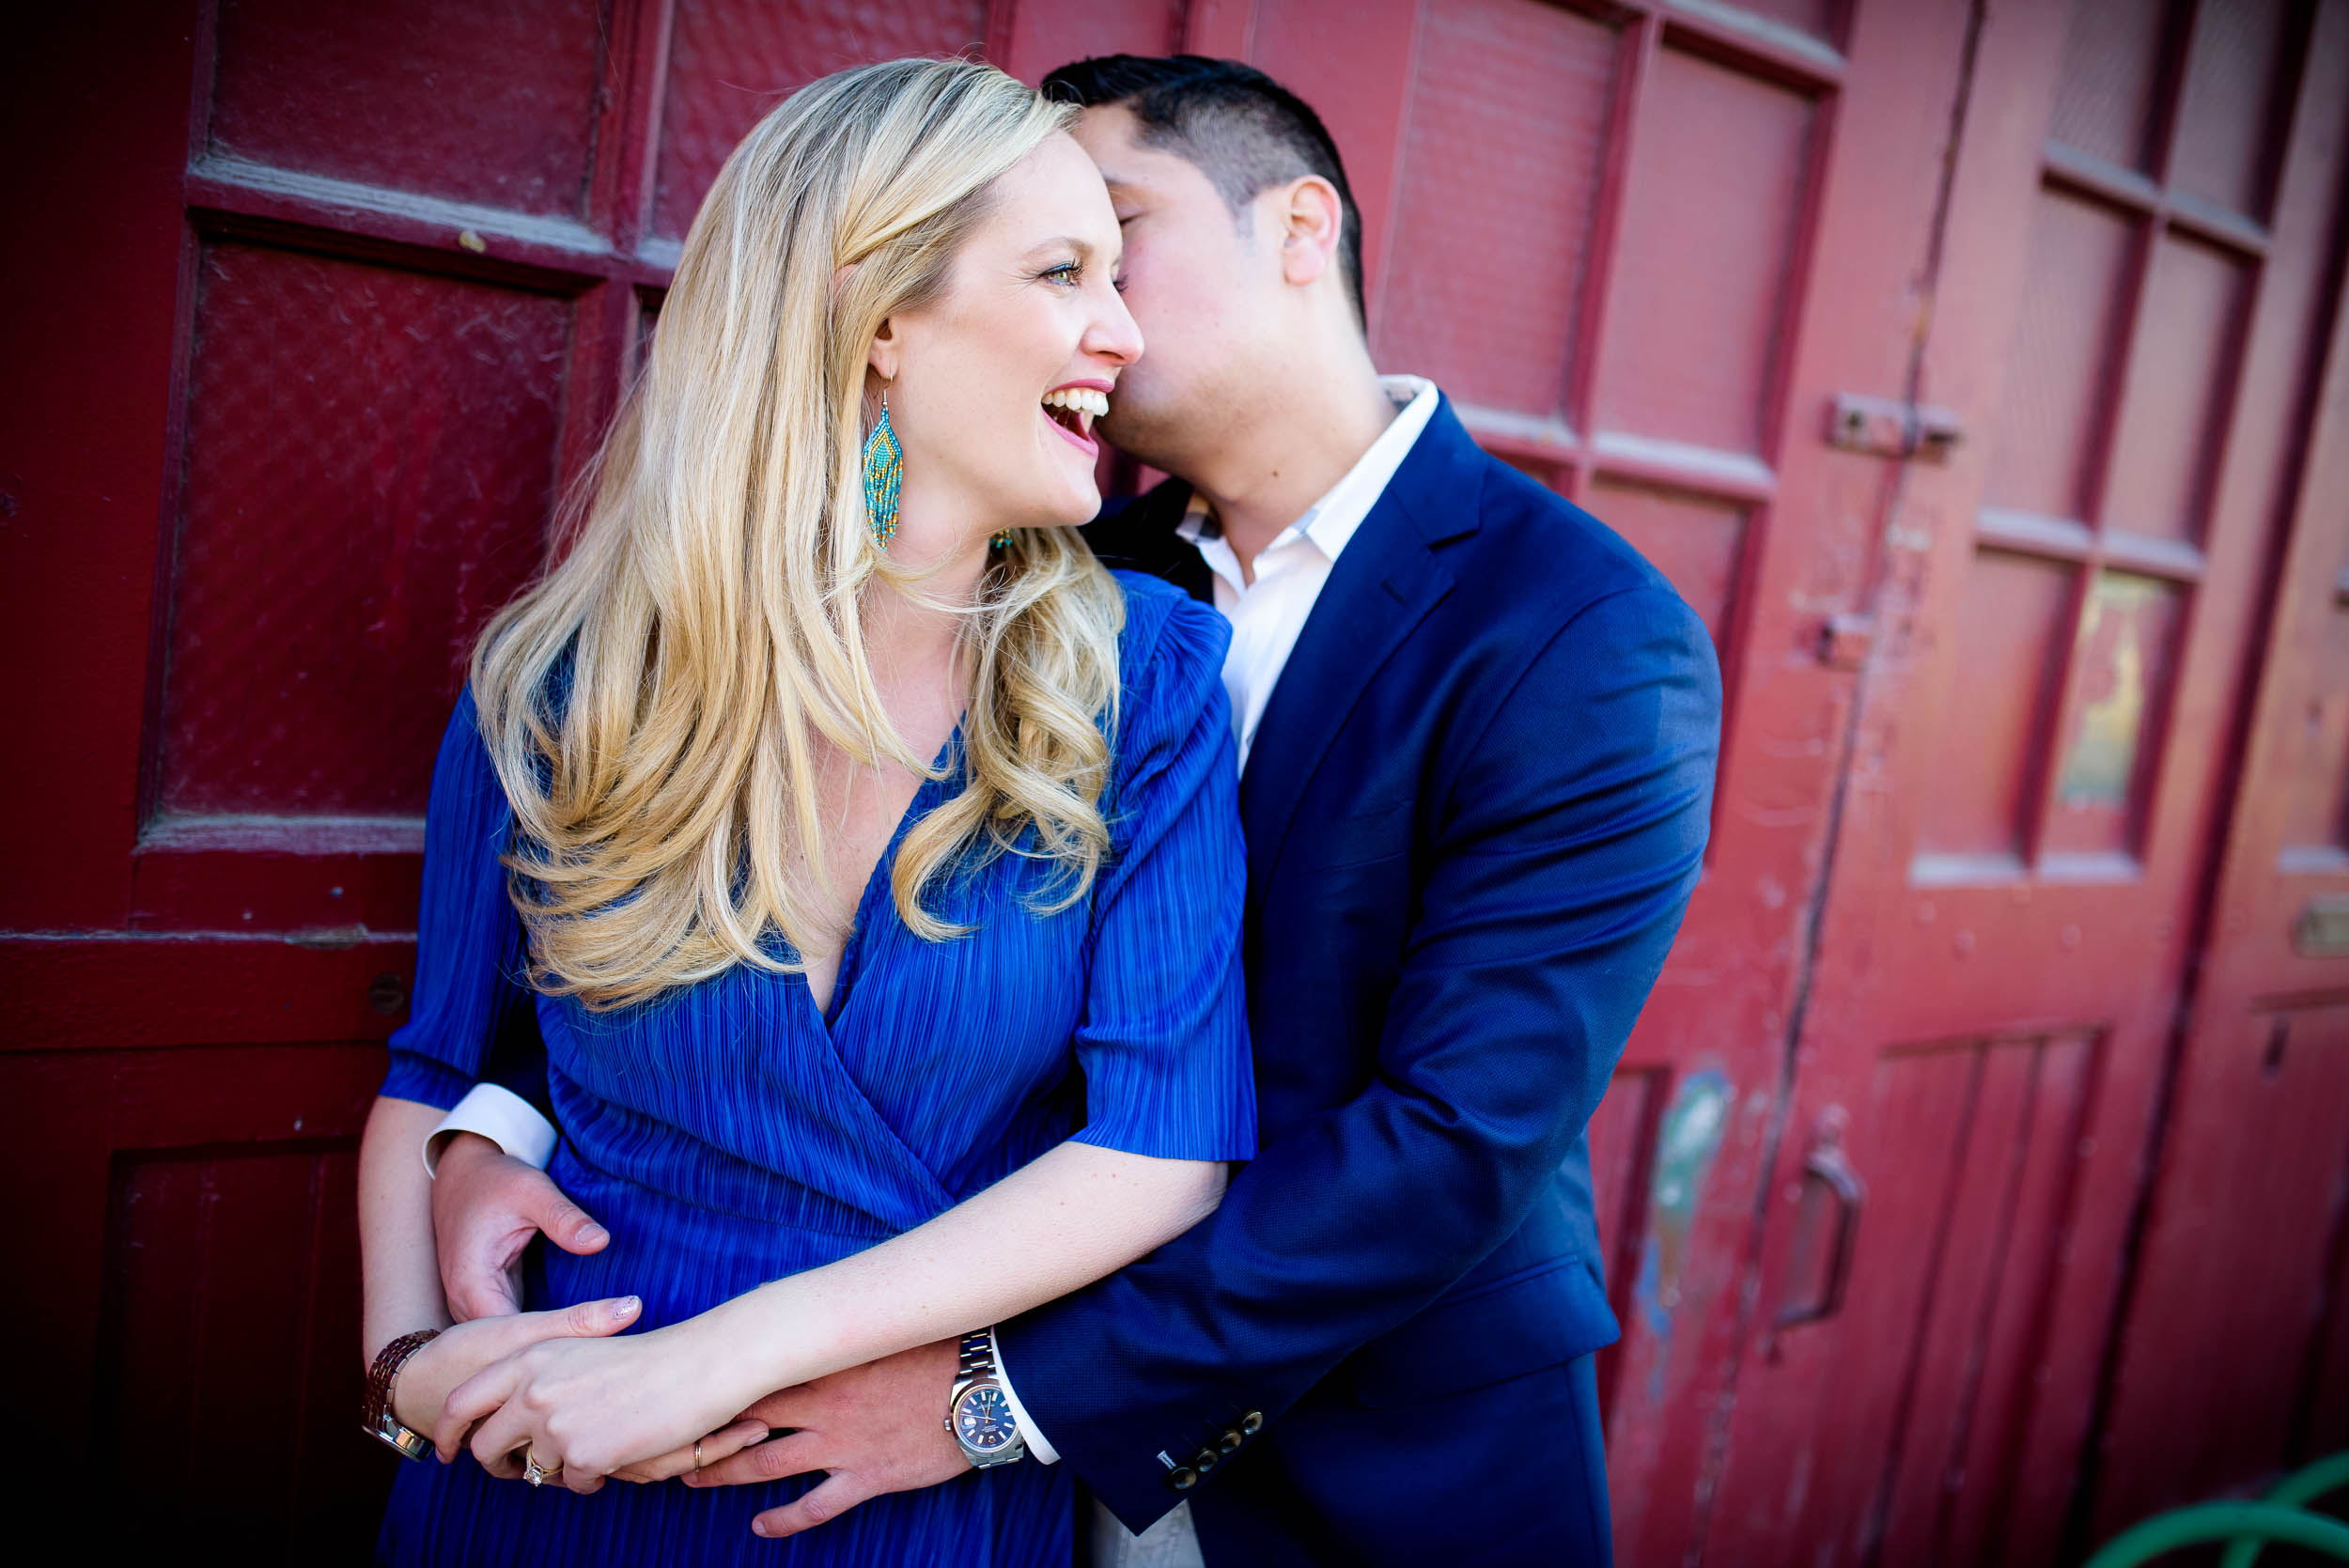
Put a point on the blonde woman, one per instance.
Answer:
(869, 853)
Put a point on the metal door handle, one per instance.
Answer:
(1827, 1164)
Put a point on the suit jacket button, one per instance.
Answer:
(1182, 1478)
(1204, 1460)
(1251, 1422)
(1229, 1441)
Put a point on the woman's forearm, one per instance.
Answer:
(396, 1262)
(1067, 1218)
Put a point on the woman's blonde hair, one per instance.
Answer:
(711, 607)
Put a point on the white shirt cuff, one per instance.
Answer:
(1042, 1452)
(503, 1117)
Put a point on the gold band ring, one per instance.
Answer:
(535, 1473)
(697, 1454)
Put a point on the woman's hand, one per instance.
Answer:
(597, 1406)
(422, 1388)
(688, 1462)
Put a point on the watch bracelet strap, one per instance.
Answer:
(381, 1374)
(974, 1363)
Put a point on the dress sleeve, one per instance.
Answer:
(1164, 1041)
(470, 965)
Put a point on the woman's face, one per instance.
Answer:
(995, 385)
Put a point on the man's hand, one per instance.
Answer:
(486, 1206)
(878, 1428)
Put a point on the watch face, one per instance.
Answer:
(982, 1419)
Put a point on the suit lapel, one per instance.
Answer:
(1384, 584)
(1141, 537)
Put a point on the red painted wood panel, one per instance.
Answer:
(2182, 381)
(2074, 305)
(2241, 1263)
(730, 61)
(1485, 273)
(1977, 803)
(370, 466)
(493, 104)
(1712, 204)
(2106, 100)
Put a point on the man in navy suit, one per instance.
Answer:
(1477, 737)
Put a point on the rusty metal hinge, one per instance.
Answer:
(1845, 638)
(1885, 428)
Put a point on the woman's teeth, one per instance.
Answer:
(1085, 404)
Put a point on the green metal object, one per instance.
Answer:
(2205, 1523)
(2296, 1490)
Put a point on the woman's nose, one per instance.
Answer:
(1112, 335)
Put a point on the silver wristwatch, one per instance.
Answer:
(978, 1412)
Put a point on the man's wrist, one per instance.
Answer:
(1039, 1448)
(500, 1115)
(978, 1415)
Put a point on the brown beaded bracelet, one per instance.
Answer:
(375, 1418)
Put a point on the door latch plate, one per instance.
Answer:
(1884, 427)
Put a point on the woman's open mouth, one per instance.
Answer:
(1072, 411)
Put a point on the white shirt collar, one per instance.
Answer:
(1332, 521)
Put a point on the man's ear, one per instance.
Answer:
(1312, 219)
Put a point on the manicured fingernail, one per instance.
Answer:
(759, 1527)
(626, 1306)
(594, 1236)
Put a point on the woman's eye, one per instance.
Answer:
(1068, 274)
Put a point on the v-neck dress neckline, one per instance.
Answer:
(884, 868)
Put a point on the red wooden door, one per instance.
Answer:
(2138, 263)
(2233, 1357)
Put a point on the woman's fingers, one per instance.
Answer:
(492, 1340)
(500, 1443)
(481, 1395)
(582, 1320)
(722, 1444)
(731, 1439)
(793, 1453)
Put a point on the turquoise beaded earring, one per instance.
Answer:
(1000, 538)
(884, 470)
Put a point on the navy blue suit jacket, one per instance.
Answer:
(1475, 808)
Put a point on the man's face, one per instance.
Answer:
(1197, 282)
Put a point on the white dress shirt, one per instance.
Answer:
(1267, 615)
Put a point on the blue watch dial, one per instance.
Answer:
(982, 1419)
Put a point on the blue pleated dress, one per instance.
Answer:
(729, 1133)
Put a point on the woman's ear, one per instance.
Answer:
(886, 351)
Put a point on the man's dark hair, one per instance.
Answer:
(1242, 130)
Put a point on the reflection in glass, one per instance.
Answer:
(2122, 667)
